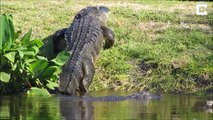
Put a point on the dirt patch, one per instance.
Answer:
(190, 26)
(153, 26)
(133, 6)
(156, 27)
(146, 68)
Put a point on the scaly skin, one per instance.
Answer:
(84, 38)
(143, 95)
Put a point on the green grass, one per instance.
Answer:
(167, 33)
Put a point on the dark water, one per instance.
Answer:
(170, 107)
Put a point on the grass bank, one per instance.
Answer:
(161, 46)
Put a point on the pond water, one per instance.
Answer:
(170, 107)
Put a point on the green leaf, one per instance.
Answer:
(35, 42)
(61, 58)
(50, 71)
(52, 85)
(2, 29)
(11, 26)
(35, 49)
(10, 56)
(7, 34)
(20, 65)
(29, 53)
(21, 54)
(14, 66)
(4, 77)
(34, 91)
(17, 34)
(26, 38)
(41, 58)
(28, 62)
(38, 65)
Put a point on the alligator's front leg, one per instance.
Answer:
(88, 73)
(109, 37)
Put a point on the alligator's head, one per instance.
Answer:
(99, 12)
(209, 103)
(144, 95)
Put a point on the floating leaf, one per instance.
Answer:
(4, 77)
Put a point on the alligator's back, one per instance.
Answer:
(141, 96)
(84, 39)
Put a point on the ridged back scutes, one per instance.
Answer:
(81, 34)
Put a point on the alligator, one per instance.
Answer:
(84, 38)
(142, 95)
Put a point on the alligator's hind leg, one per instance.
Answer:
(72, 86)
(109, 36)
(88, 73)
(59, 41)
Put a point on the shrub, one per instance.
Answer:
(21, 68)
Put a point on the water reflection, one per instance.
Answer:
(203, 105)
(75, 109)
(171, 107)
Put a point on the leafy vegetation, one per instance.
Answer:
(21, 67)
(161, 46)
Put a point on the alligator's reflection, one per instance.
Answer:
(108, 107)
(81, 108)
(204, 105)
(73, 108)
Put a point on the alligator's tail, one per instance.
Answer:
(71, 87)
